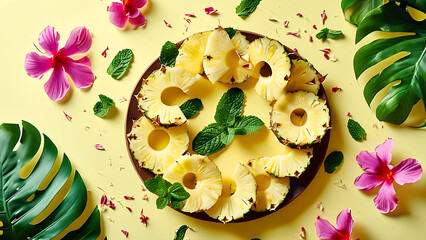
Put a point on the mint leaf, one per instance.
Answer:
(169, 53)
(180, 233)
(332, 161)
(176, 205)
(162, 202)
(106, 101)
(101, 108)
(208, 141)
(177, 192)
(231, 31)
(230, 106)
(191, 107)
(356, 131)
(248, 125)
(120, 63)
(227, 136)
(329, 33)
(246, 7)
(153, 184)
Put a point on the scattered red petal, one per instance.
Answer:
(145, 197)
(167, 24)
(126, 233)
(99, 147)
(104, 200)
(295, 49)
(336, 89)
(299, 15)
(296, 34)
(143, 189)
(326, 56)
(104, 53)
(349, 114)
(310, 38)
(315, 27)
(129, 197)
(122, 99)
(286, 23)
(326, 50)
(190, 14)
(246, 66)
(273, 20)
(188, 20)
(210, 10)
(67, 116)
(323, 17)
(111, 205)
(322, 78)
(144, 219)
(128, 208)
(303, 232)
(108, 8)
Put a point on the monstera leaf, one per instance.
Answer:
(356, 10)
(406, 75)
(42, 203)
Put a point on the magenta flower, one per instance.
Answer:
(344, 225)
(380, 172)
(79, 70)
(128, 10)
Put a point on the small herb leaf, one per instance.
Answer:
(101, 107)
(106, 101)
(169, 53)
(329, 33)
(230, 106)
(177, 192)
(208, 141)
(191, 107)
(227, 136)
(180, 233)
(231, 31)
(332, 161)
(356, 131)
(176, 205)
(162, 202)
(120, 63)
(153, 184)
(248, 125)
(246, 7)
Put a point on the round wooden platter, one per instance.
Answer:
(297, 185)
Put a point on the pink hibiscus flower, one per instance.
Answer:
(380, 172)
(344, 225)
(79, 70)
(128, 10)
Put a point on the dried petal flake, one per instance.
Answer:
(335, 89)
(129, 197)
(190, 14)
(325, 50)
(320, 207)
(67, 116)
(333, 58)
(349, 114)
(128, 208)
(273, 20)
(126, 233)
(302, 234)
(104, 53)
(326, 56)
(323, 17)
(144, 219)
(286, 23)
(310, 38)
(315, 27)
(122, 99)
(167, 24)
(299, 15)
(99, 147)
(210, 10)
(296, 34)
(188, 20)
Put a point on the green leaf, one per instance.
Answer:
(176, 205)
(120, 63)
(16, 213)
(208, 141)
(180, 233)
(329, 33)
(230, 106)
(356, 131)
(332, 161)
(246, 7)
(101, 108)
(153, 184)
(162, 202)
(355, 10)
(248, 125)
(231, 31)
(107, 102)
(177, 192)
(191, 107)
(227, 136)
(169, 53)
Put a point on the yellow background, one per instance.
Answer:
(23, 98)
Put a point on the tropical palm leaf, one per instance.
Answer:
(33, 206)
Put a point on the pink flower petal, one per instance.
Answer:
(99, 147)
(326, 231)
(368, 181)
(369, 162)
(136, 3)
(116, 7)
(210, 10)
(133, 12)
(49, 40)
(407, 171)
(36, 65)
(57, 85)
(126, 233)
(139, 20)
(104, 53)
(386, 201)
(85, 61)
(344, 222)
(67, 116)
(383, 151)
(117, 15)
(79, 41)
(80, 73)
(190, 14)
(104, 200)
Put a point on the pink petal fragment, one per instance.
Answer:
(79, 41)
(369, 162)
(385, 200)
(49, 40)
(122, 99)
(139, 20)
(383, 151)
(144, 219)
(310, 38)
(335, 89)
(286, 23)
(273, 20)
(325, 230)
(315, 27)
(104, 53)
(344, 222)
(295, 50)
(296, 34)
(167, 24)
(104, 200)
(128, 208)
(57, 85)
(326, 56)
(299, 15)
(67, 116)
(325, 50)
(99, 147)
(190, 14)
(80, 73)
(188, 20)
(323, 17)
(36, 65)
(136, 3)
(210, 10)
(129, 197)
(407, 171)
(117, 15)
(126, 233)
(349, 114)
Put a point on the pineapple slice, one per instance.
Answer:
(271, 66)
(241, 44)
(222, 62)
(154, 90)
(191, 53)
(271, 190)
(156, 148)
(200, 177)
(300, 119)
(291, 163)
(238, 195)
(303, 77)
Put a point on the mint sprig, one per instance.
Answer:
(191, 107)
(231, 31)
(246, 7)
(120, 63)
(101, 107)
(174, 193)
(229, 122)
(180, 233)
(329, 33)
(356, 130)
(333, 161)
(169, 53)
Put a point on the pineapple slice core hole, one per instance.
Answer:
(158, 139)
(298, 117)
(263, 182)
(265, 70)
(190, 180)
(173, 96)
(229, 187)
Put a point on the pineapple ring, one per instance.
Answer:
(150, 151)
(200, 177)
(300, 119)
(271, 190)
(191, 53)
(291, 163)
(228, 208)
(303, 77)
(151, 96)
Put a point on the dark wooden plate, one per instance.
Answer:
(297, 185)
